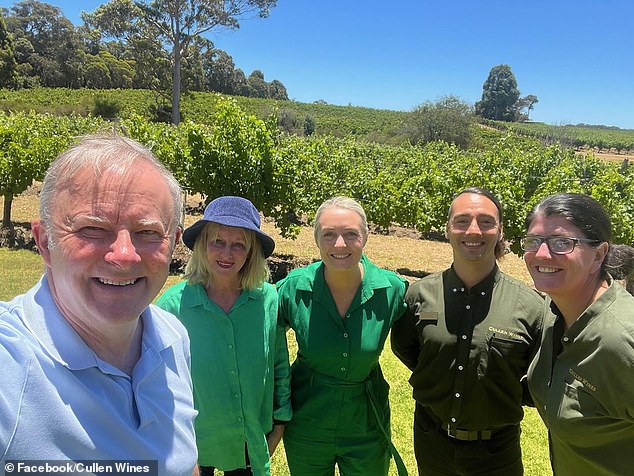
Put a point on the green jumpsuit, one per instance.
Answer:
(339, 396)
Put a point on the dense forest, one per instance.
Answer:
(39, 46)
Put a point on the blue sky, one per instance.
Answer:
(576, 56)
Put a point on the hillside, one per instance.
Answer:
(339, 121)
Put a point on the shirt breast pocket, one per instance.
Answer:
(507, 356)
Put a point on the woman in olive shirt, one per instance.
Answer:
(581, 379)
(240, 365)
(341, 309)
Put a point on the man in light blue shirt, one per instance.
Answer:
(91, 370)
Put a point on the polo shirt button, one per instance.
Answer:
(467, 306)
(457, 395)
(233, 372)
(566, 339)
(236, 395)
(453, 420)
(343, 369)
(462, 289)
(347, 315)
(464, 337)
(230, 347)
(455, 290)
(345, 354)
(460, 367)
(482, 293)
(345, 334)
(239, 418)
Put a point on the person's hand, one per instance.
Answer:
(274, 437)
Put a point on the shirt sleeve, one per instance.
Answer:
(15, 363)
(282, 374)
(404, 339)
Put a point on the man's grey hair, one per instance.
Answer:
(102, 152)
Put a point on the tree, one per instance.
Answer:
(8, 65)
(257, 84)
(499, 95)
(55, 44)
(527, 102)
(176, 22)
(448, 119)
(277, 90)
(220, 72)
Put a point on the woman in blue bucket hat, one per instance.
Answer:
(240, 365)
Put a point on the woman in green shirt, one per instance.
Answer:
(240, 365)
(581, 378)
(341, 309)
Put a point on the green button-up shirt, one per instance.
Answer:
(337, 355)
(468, 349)
(240, 373)
(582, 382)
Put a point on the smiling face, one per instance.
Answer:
(340, 238)
(566, 276)
(473, 229)
(110, 245)
(227, 252)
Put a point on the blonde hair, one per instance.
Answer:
(346, 203)
(254, 272)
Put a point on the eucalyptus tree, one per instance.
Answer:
(48, 42)
(176, 23)
(8, 65)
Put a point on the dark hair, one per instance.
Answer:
(582, 211)
(500, 247)
(620, 265)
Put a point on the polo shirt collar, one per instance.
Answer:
(64, 344)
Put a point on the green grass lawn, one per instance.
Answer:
(20, 269)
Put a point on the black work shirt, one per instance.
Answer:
(468, 349)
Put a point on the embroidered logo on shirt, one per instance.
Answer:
(582, 380)
(505, 332)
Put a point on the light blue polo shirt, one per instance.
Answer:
(59, 401)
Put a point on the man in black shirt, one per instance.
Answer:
(468, 336)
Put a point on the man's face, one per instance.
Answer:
(474, 228)
(111, 245)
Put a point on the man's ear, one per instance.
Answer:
(41, 240)
(178, 234)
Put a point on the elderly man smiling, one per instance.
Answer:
(91, 370)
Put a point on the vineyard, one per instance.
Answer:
(287, 177)
(598, 137)
(200, 107)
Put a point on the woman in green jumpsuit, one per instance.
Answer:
(341, 309)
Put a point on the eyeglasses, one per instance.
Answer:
(559, 245)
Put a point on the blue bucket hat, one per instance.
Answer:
(231, 211)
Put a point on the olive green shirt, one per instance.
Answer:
(468, 349)
(582, 382)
